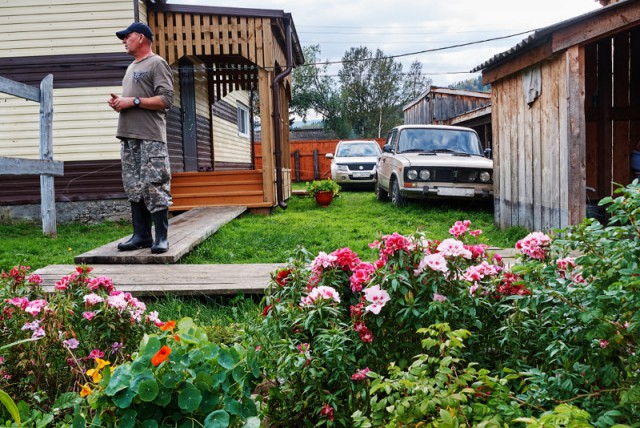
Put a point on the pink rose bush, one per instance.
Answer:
(360, 317)
(80, 321)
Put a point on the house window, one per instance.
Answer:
(243, 120)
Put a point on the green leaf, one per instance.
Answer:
(78, 421)
(149, 423)
(227, 359)
(10, 405)
(164, 397)
(148, 390)
(217, 419)
(189, 398)
(124, 398)
(209, 402)
(128, 419)
(120, 379)
(232, 406)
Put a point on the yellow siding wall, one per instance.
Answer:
(84, 126)
(228, 145)
(59, 27)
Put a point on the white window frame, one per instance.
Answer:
(242, 114)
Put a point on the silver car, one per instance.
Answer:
(433, 161)
(355, 162)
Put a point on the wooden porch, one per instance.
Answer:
(218, 188)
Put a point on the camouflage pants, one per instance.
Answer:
(146, 174)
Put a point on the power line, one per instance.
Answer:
(423, 51)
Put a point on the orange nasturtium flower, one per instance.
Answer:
(161, 356)
(169, 325)
(85, 390)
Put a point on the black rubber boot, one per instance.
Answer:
(141, 219)
(161, 243)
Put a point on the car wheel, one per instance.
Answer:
(396, 198)
(381, 195)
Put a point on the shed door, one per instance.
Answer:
(188, 103)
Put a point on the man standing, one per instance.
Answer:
(147, 95)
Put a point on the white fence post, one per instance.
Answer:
(47, 189)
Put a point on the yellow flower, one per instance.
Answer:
(85, 390)
(102, 363)
(95, 375)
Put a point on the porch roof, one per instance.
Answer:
(277, 18)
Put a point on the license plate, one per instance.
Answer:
(361, 174)
(455, 191)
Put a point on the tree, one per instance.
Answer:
(314, 91)
(415, 83)
(371, 91)
(473, 84)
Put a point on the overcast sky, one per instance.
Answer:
(399, 27)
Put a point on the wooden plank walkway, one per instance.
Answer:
(185, 232)
(159, 280)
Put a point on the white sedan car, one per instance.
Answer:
(354, 162)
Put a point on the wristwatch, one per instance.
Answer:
(136, 102)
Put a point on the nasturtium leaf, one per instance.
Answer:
(78, 421)
(128, 419)
(148, 390)
(169, 379)
(149, 423)
(185, 324)
(120, 379)
(217, 419)
(204, 380)
(249, 408)
(226, 359)
(124, 398)
(189, 398)
(232, 406)
(163, 398)
(138, 379)
(209, 402)
(151, 346)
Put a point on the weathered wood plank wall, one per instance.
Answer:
(533, 147)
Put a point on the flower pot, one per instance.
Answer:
(324, 198)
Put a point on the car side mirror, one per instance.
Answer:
(387, 148)
(487, 153)
(329, 156)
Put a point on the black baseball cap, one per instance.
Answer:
(136, 27)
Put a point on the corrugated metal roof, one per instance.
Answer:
(542, 35)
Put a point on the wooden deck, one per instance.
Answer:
(159, 280)
(185, 232)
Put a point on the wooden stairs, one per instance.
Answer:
(218, 188)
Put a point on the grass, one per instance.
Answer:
(353, 220)
(24, 244)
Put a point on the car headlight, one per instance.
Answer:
(425, 175)
(342, 168)
(412, 174)
(485, 176)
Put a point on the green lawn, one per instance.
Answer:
(354, 219)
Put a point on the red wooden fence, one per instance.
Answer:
(305, 150)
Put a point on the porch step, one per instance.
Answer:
(185, 232)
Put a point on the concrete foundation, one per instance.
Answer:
(86, 212)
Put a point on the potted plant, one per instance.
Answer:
(323, 191)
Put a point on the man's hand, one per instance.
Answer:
(119, 103)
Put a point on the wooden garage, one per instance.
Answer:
(565, 116)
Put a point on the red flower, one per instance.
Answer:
(327, 411)
(282, 275)
(161, 356)
(266, 310)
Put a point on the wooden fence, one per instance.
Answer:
(46, 167)
(308, 161)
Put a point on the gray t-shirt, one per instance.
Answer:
(144, 79)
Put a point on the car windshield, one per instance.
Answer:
(439, 140)
(357, 149)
